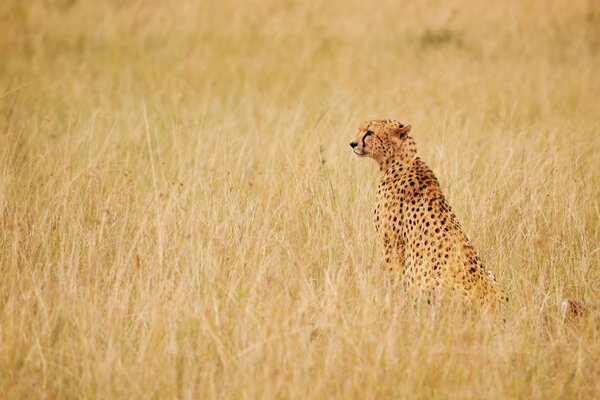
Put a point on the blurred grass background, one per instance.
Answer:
(181, 216)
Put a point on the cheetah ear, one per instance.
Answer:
(402, 130)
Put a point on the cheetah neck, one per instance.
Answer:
(402, 155)
(401, 160)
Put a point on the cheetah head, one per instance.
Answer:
(379, 139)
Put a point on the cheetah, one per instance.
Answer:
(425, 249)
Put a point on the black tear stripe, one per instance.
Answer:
(368, 133)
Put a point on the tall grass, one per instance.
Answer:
(181, 215)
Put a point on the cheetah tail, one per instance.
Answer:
(571, 309)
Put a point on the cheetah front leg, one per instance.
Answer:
(394, 261)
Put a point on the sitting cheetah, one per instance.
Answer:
(425, 248)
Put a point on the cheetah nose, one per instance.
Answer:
(353, 144)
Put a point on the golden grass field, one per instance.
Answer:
(181, 215)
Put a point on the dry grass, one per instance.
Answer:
(181, 215)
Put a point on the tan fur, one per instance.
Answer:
(425, 248)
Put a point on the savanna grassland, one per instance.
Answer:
(181, 215)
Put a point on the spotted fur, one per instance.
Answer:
(425, 248)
